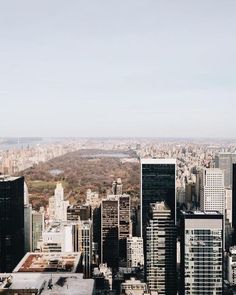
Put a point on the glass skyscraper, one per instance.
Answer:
(11, 222)
(157, 184)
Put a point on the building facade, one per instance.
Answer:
(11, 222)
(201, 266)
(161, 250)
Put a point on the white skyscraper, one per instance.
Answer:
(57, 205)
(212, 192)
(201, 268)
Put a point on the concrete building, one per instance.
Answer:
(134, 287)
(58, 238)
(37, 228)
(135, 256)
(117, 187)
(50, 262)
(11, 222)
(224, 161)
(212, 191)
(57, 205)
(160, 266)
(201, 266)
(231, 266)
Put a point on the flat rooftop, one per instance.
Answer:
(158, 161)
(203, 213)
(49, 262)
(8, 178)
(71, 284)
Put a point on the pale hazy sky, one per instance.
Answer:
(118, 68)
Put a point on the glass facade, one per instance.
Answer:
(11, 222)
(158, 184)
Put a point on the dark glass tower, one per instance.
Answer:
(234, 202)
(157, 184)
(11, 222)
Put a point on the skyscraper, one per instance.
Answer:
(224, 161)
(110, 231)
(11, 222)
(212, 192)
(85, 241)
(234, 202)
(157, 184)
(124, 224)
(57, 205)
(37, 228)
(161, 250)
(115, 228)
(201, 235)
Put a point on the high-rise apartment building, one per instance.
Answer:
(201, 266)
(161, 250)
(135, 257)
(224, 161)
(11, 222)
(212, 191)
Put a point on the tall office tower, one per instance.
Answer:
(57, 205)
(157, 184)
(161, 250)
(224, 161)
(201, 238)
(135, 257)
(11, 222)
(37, 228)
(231, 266)
(117, 187)
(110, 231)
(86, 243)
(124, 224)
(212, 191)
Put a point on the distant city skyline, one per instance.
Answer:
(121, 69)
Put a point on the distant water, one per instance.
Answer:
(22, 143)
(106, 155)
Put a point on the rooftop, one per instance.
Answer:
(8, 178)
(203, 213)
(49, 262)
(71, 284)
(158, 161)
